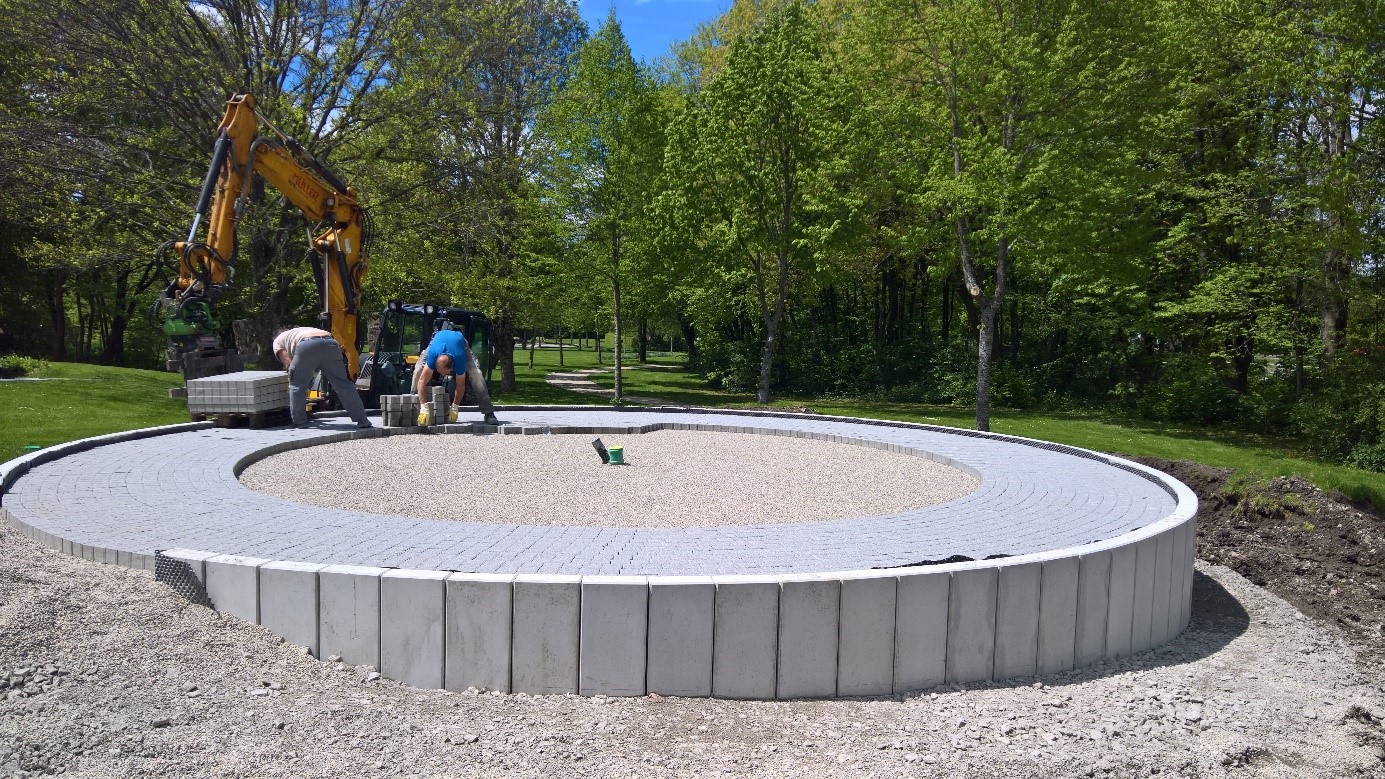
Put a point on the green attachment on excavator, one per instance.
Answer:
(192, 319)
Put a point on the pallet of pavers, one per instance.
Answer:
(251, 397)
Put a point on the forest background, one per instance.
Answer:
(1172, 209)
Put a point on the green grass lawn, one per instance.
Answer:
(88, 400)
(80, 401)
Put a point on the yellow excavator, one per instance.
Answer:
(205, 267)
(339, 232)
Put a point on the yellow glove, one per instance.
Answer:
(452, 414)
(423, 417)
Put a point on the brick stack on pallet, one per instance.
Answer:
(251, 394)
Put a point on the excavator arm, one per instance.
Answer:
(206, 267)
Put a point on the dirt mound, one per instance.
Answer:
(1319, 551)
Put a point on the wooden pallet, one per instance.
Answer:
(253, 419)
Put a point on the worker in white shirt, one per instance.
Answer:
(305, 351)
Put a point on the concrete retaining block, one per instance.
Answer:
(1142, 612)
(865, 650)
(615, 619)
(233, 585)
(412, 613)
(1058, 615)
(920, 639)
(1093, 602)
(477, 641)
(1121, 610)
(349, 613)
(1186, 601)
(682, 614)
(1163, 589)
(808, 637)
(412, 610)
(745, 638)
(288, 602)
(971, 625)
(546, 634)
(1017, 620)
(195, 560)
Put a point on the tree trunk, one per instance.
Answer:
(984, 343)
(533, 342)
(689, 338)
(560, 346)
(113, 348)
(505, 351)
(644, 340)
(1336, 271)
(615, 300)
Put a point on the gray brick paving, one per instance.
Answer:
(180, 491)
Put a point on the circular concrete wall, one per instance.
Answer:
(1090, 558)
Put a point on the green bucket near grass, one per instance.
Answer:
(617, 455)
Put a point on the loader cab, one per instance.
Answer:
(404, 331)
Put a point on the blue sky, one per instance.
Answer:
(652, 26)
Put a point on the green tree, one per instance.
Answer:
(606, 139)
(1018, 130)
(751, 159)
(459, 164)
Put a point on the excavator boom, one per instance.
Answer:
(206, 267)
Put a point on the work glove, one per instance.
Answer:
(423, 417)
(452, 413)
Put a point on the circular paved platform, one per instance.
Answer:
(180, 490)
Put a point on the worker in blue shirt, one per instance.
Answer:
(447, 349)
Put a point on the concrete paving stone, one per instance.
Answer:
(745, 638)
(809, 632)
(546, 634)
(289, 602)
(614, 632)
(921, 611)
(411, 626)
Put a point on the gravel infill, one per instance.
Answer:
(107, 673)
(673, 479)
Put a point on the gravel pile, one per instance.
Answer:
(672, 479)
(141, 683)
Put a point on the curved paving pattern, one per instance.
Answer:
(180, 490)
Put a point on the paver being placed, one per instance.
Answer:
(1061, 557)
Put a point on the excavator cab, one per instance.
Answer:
(404, 331)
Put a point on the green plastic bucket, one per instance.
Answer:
(617, 455)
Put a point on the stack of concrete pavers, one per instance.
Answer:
(246, 392)
(439, 407)
(399, 410)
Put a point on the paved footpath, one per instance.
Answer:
(181, 491)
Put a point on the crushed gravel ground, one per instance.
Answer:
(672, 479)
(109, 674)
